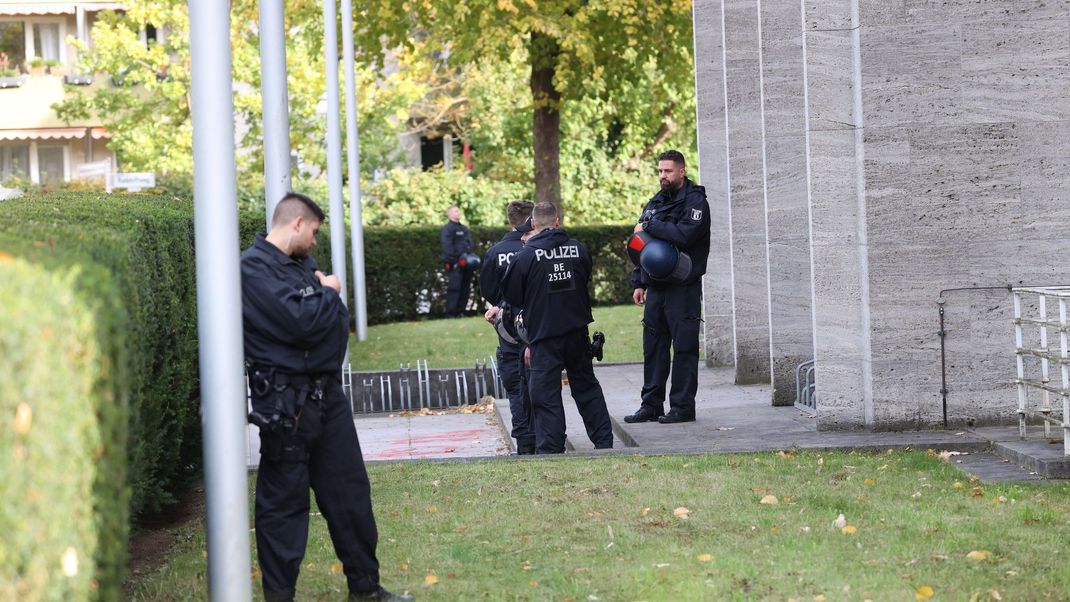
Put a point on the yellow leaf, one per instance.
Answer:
(770, 500)
(994, 594)
(681, 512)
(23, 419)
(645, 511)
(533, 583)
(432, 509)
(430, 580)
(869, 482)
(705, 557)
(69, 561)
(336, 568)
(999, 500)
(923, 593)
(979, 555)
(819, 598)
(849, 530)
(957, 485)
(404, 566)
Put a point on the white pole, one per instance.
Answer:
(336, 212)
(356, 220)
(275, 96)
(219, 316)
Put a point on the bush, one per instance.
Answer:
(63, 500)
(406, 281)
(146, 243)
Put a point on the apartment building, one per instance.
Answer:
(37, 68)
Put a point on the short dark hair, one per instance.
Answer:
(294, 205)
(673, 155)
(544, 214)
(518, 212)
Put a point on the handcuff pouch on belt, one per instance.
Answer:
(278, 427)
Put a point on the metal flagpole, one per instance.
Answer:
(334, 145)
(219, 301)
(276, 104)
(356, 221)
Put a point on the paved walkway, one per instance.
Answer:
(731, 418)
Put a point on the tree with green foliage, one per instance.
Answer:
(575, 49)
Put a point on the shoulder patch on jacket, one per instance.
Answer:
(696, 215)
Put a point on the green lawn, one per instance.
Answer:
(615, 528)
(460, 343)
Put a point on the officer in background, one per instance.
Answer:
(296, 329)
(456, 243)
(679, 215)
(548, 278)
(509, 349)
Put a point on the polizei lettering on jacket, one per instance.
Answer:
(562, 252)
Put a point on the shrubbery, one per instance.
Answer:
(143, 325)
(404, 271)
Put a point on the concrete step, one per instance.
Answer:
(1040, 456)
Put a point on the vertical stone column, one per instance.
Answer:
(786, 211)
(746, 198)
(837, 214)
(712, 162)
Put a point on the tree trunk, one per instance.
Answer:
(546, 127)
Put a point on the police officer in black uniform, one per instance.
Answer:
(296, 330)
(548, 279)
(456, 243)
(495, 263)
(672, 311)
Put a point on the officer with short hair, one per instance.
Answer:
(495, 263)
(296, 329)
(548, 278)
(456, 243)
(680, 215)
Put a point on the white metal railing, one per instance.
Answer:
(1060, 356)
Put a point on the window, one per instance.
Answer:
(46, 42)
(12, 44)
(14, 161)
(50, 163)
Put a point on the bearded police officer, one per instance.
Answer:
(509, 349)
(548, 279)
(456, 243)
(680, 216)
(296, 330)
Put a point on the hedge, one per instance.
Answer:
(406, 281)
(146, 245)
(63, 500)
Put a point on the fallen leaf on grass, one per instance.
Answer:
(979, 555)
(533, 583)
(849, 530)
(704, 557)
(957, 485)
(819, 598)
(681, 512)
(769, 500)
(938, 557)
(977, 492)
(786, 455)
(23, 419)
(336, 568)
(645, 511)
(430, 580)
(869, 482)
(923, 593)
(994, 594)
(999, 500)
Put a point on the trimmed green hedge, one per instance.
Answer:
(405, 276)
(146, 245)
(63, 493)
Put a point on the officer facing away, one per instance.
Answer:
(548, 279)
(456, 242)
(296, 329)
(679, 215)
(495, 263)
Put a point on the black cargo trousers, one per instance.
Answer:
(321, 451)
(512, 370)
(671, 318)
(569, 352)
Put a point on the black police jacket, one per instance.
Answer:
(289, 320)
(548, 279)
(456, 241)
(681, 218)
(494, 265)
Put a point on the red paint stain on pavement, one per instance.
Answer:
(446, 437)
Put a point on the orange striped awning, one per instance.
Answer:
(53, 134)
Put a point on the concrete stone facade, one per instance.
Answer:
(925, 146)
